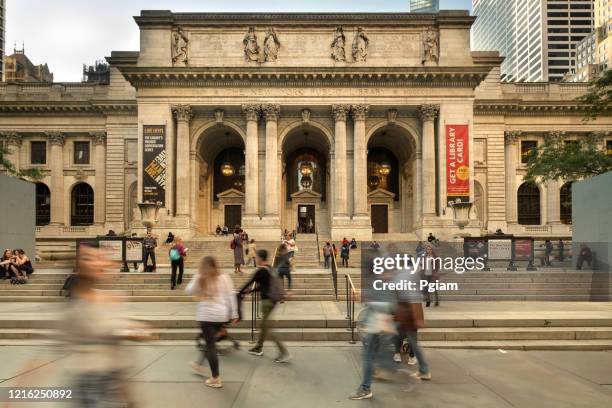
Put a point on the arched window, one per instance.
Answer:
(565, 199)
(82, 205)
(43, 204)
(529, 204)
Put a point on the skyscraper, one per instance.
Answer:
(537, 37)
(2, 35)
(424, 6)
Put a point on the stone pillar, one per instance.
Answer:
(553, 202)
(183, 117)
(251, 161)
(511, 140)
(340, 183)
(271, 113)
(99, 142)
(56, 165)
(13, 142)
(360, 159)
(428, 115)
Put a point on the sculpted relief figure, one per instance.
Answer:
(251, 48)
(180, 46)
(360, 45)
(271, 46)
(431, 46)
(337, 46)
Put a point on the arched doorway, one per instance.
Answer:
(565, 201)
(220, 172)
(528, 200)
(305, 180)
(82, 205)
(43, 204)
(392, 171)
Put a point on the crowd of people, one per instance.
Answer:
(16, 266)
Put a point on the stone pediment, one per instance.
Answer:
(230, 193)
(381, 193)
(306, 194)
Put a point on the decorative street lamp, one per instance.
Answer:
(461, 213)
(148, 213)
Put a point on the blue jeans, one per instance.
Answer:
(417, 350)
(376, 352)
(327, 261)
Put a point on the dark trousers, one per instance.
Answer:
(177, 265)
(285, 273)
(267, 307)
(583, 259)
(149, 253)
(327, 261)
(209, 332)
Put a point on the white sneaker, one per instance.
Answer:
(214, 383)
(421, 376)
(397, 357)
(197, 369)
(412, 361)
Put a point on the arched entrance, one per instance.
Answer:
(220, 175)
(305, 180)
(392, 175)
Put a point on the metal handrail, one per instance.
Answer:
(254, 311)
(334, 269)
(318, 244)
(351, 294)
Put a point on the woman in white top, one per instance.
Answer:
(217, 305)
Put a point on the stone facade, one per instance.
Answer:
(276, 88)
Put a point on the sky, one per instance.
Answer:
(69, 33)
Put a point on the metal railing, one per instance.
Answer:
(334, 270)
(351, 295)
(318, 245)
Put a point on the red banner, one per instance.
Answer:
(457, 163)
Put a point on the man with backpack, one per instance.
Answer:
(270, 285)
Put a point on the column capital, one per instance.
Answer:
(428, 112)
(339, 112)
(554, 136)
(56, 138)
(511, 137)
(251, 112)
(360, 112)
(271, 112)
(11, 138)
(182, 113)
(98, 138)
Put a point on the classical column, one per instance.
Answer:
(56, 165)
(183, 117)
(13, 142)
(340, 183)
(99, 142)
(511, 140)
(553, 199)
(428, 115)
(271, 113)
(360, 159)
(251, 161)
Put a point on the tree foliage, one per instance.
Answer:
(7, 167)
(568, 160)
(598, 100)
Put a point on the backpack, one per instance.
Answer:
(276, 293)
(175, 255)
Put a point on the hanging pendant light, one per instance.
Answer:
(306, 169)
(227, 169)
(384, 168)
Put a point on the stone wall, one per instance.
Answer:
(17, 215)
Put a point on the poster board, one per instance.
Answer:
(499, 249)
(133, 250)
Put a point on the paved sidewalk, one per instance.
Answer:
(325, 376)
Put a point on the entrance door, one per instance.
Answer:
(306, 219)
(233, 216)
(380, 219)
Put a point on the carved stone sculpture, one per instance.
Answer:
(512, 137)
(219, 114)
(338, 52)
(180, 47)
(98, 138)
(271, 46)
(428, 112)
(431, 46)
(360, 45)
(251, 48)
(306, 115)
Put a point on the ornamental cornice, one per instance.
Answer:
(513, 107)
(95, 108)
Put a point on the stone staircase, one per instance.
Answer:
(307, 255)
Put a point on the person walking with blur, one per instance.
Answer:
(177, 253)
(269, 285)
(431, 273)
(284, 265)
(251, 253)
(217, 303)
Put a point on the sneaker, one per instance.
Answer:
(422, 376)
(361, 394)
(397, 357)
(437, 304)
(197, 369)
(283, 358)
(411, 361)
(213, 382)
(256, 351)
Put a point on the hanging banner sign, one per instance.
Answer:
(154, 164)
(457, 163)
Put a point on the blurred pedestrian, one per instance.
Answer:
(251, 253)
(284, 265)
(177, 253)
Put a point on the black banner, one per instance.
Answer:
(154, 164)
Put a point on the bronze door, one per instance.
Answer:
(233, 216)
(380, 219)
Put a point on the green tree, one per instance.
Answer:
(7, 167)
(598, 100)
(569, 160)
